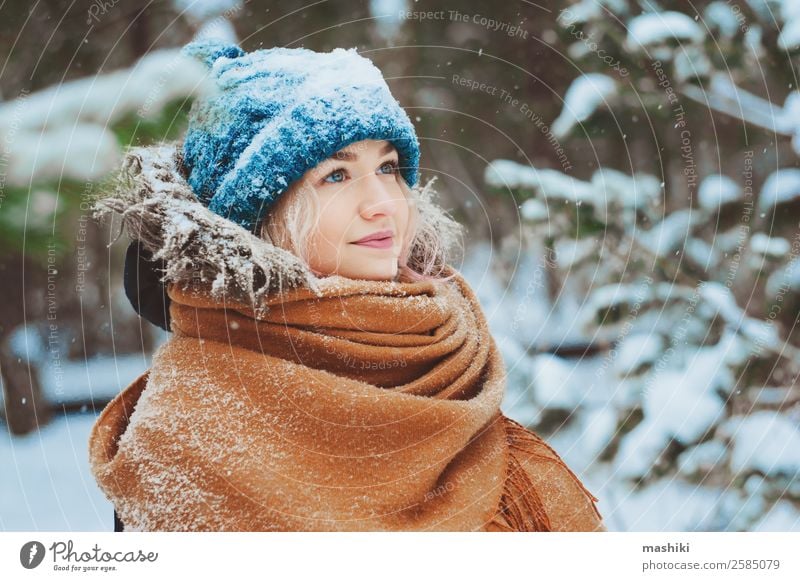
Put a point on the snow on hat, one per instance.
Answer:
(275, 113)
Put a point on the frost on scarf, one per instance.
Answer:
(159, 208)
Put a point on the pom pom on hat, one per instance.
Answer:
(208, 50)
(277, 113)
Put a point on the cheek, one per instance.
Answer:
(334, 221)
(403, 216)
(404, 213)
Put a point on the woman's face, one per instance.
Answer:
(359, 197)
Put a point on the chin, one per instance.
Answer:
(378, 272)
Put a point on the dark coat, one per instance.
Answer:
(143, 286)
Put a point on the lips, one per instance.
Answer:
(380, 239)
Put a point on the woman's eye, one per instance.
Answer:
(338, 175)
(337, 172)
(392, 165)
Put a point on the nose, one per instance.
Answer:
(376, 197)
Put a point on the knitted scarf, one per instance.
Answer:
(354, 405)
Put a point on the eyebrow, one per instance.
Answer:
(352, 156)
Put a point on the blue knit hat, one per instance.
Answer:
(274, 114)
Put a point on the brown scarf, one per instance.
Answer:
(369, 405)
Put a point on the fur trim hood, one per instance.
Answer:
(159, 208)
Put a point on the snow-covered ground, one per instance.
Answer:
(46, 484)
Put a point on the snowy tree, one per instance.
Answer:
(62, 142)
(678, 260)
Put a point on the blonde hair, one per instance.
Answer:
(425, 250)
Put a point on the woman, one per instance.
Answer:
(328, 370)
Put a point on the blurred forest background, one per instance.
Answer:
(627, 171)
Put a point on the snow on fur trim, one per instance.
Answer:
(159, 208)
